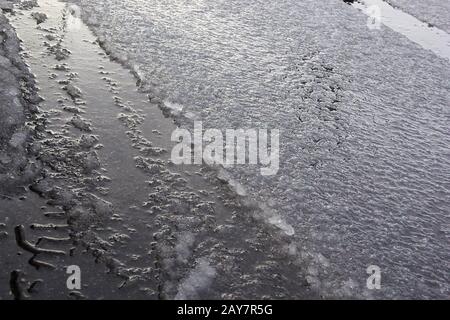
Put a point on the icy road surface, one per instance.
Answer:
(108, 200)
(365, 163)
(364, 173)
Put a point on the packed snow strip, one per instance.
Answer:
(429, 37)
(18, 99)
(199, 279)
(434, 12)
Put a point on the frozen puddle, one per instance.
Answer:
(428, 37)
(160, 231)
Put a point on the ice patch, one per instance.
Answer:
(91, 161)
(80, 123)
(224, 176)
(184, 246)
(198, 280)
(17, 139)
(269, 215)
(88, 141)
(174, 109)
(272, 217)
(73, 91)
(281, 224)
